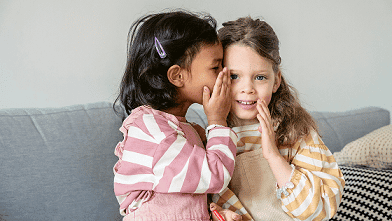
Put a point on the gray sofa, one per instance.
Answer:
(56, 163)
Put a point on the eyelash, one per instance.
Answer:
(217, 67)
(234, 76)
(260, 76)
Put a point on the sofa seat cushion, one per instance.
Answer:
(366, 195)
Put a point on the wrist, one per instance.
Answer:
(217, 122)
(211, 126)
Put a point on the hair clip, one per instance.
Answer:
(159, 48)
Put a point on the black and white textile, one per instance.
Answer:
(367, 194)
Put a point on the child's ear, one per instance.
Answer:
(176, 75)
(278, 79)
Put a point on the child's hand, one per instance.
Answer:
(268, 140)
(217, 106)
(227, 214)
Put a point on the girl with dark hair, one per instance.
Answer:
(164, 172)
(283, 169)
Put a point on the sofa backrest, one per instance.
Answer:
(340, 128)
(56, 164)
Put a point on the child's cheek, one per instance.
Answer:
(267, 99)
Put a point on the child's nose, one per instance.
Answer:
(247, 87)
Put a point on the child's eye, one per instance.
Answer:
(233, 76)
(260, 77)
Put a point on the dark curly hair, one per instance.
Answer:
(286, 111)
(181, 34)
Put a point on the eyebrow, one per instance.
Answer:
(217, 60)
(256, 71)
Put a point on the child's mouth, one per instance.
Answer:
(247, 104)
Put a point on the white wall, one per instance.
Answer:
(338, 54)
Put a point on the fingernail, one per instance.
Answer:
(205, 88)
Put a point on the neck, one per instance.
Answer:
(179, 111)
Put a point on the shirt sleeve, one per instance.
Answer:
(318, 181)
(228, 200)
(156, 155)
(180, 166)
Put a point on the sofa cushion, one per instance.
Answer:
(373, 150)
(366, 195)
(56, 164)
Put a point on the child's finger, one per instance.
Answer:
(218, 85)
(265, 108)
(226, 82)
(213, 206)
(206, 95)
(236, 217)
(260, 120)
(263, 112)
(224, 85)
(229, 79)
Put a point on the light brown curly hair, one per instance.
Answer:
(286, 111)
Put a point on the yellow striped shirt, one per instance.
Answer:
(318, 181)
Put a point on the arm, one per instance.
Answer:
(157, 156)
(183, 167)
(316, 181)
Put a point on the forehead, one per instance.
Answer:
(244, 57)
(209, 53)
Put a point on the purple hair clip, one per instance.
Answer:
(159, 48)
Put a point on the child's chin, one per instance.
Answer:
(245, 119)
(247, 116)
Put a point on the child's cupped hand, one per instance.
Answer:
(268, 139)
(217, 104)
(227, 214)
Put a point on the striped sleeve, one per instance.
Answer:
(183, 167)
(228, 200)
(318, 181)
(156, 155)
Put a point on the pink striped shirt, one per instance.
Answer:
(163, 153)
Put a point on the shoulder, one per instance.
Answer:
(311, 143)
(151, 120)
(310, 140)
